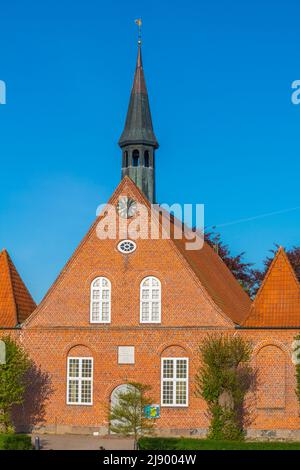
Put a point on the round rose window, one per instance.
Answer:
(126, 246)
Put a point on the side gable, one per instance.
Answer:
(277, 303)
(16, 303)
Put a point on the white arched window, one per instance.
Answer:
(150, 300)
(100, 300)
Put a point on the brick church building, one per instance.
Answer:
(137, 310)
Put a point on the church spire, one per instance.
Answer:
(138, 141)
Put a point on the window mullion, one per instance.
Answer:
(79, 380)
(174, 380)
(101, 308)
(150, 302)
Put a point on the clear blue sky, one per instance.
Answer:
(219, 76)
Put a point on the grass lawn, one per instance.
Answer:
(15, 442)
(153, 443)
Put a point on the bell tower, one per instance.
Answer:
(138, 141)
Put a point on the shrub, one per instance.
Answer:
(15, 442)
(12, 381)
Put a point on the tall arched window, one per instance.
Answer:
(100, 300)
(146, 159)
(150, 300)
(135, 158)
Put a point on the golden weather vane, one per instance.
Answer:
(139, 23)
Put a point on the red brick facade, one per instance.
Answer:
(198, 293)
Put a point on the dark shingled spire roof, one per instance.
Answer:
(138, 127)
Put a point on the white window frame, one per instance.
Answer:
(175, 380)
(92, 289)
(80, 379)
(150, 300)
(120, 348)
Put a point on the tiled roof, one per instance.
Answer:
(277, 303)
(16, 303)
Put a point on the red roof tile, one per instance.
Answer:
(277, 303)
(16, 303)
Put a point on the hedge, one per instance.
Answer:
(15, 442)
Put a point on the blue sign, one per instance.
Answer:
(152, 411)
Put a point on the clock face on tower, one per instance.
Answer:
(126, 207)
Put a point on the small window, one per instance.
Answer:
(135, 158)
(174, 381)
(100, 300)
(126, 355)
(146, 159)
(80, 381)
(150, 300)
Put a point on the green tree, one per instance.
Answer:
(223, 379)
(127, 415)
(12, 381)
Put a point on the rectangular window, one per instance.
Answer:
(126, 355)
(80, 381)
(174, 381)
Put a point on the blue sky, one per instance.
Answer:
(219, 77)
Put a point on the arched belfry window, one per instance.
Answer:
(150, 300)
(125, 159)
(135, 158)
(100, 300)
(146, 159)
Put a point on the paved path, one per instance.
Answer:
(82, 442)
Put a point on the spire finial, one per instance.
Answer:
(139, 23)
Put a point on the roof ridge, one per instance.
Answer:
(261, 287)
(280, 252)
(289, 265)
